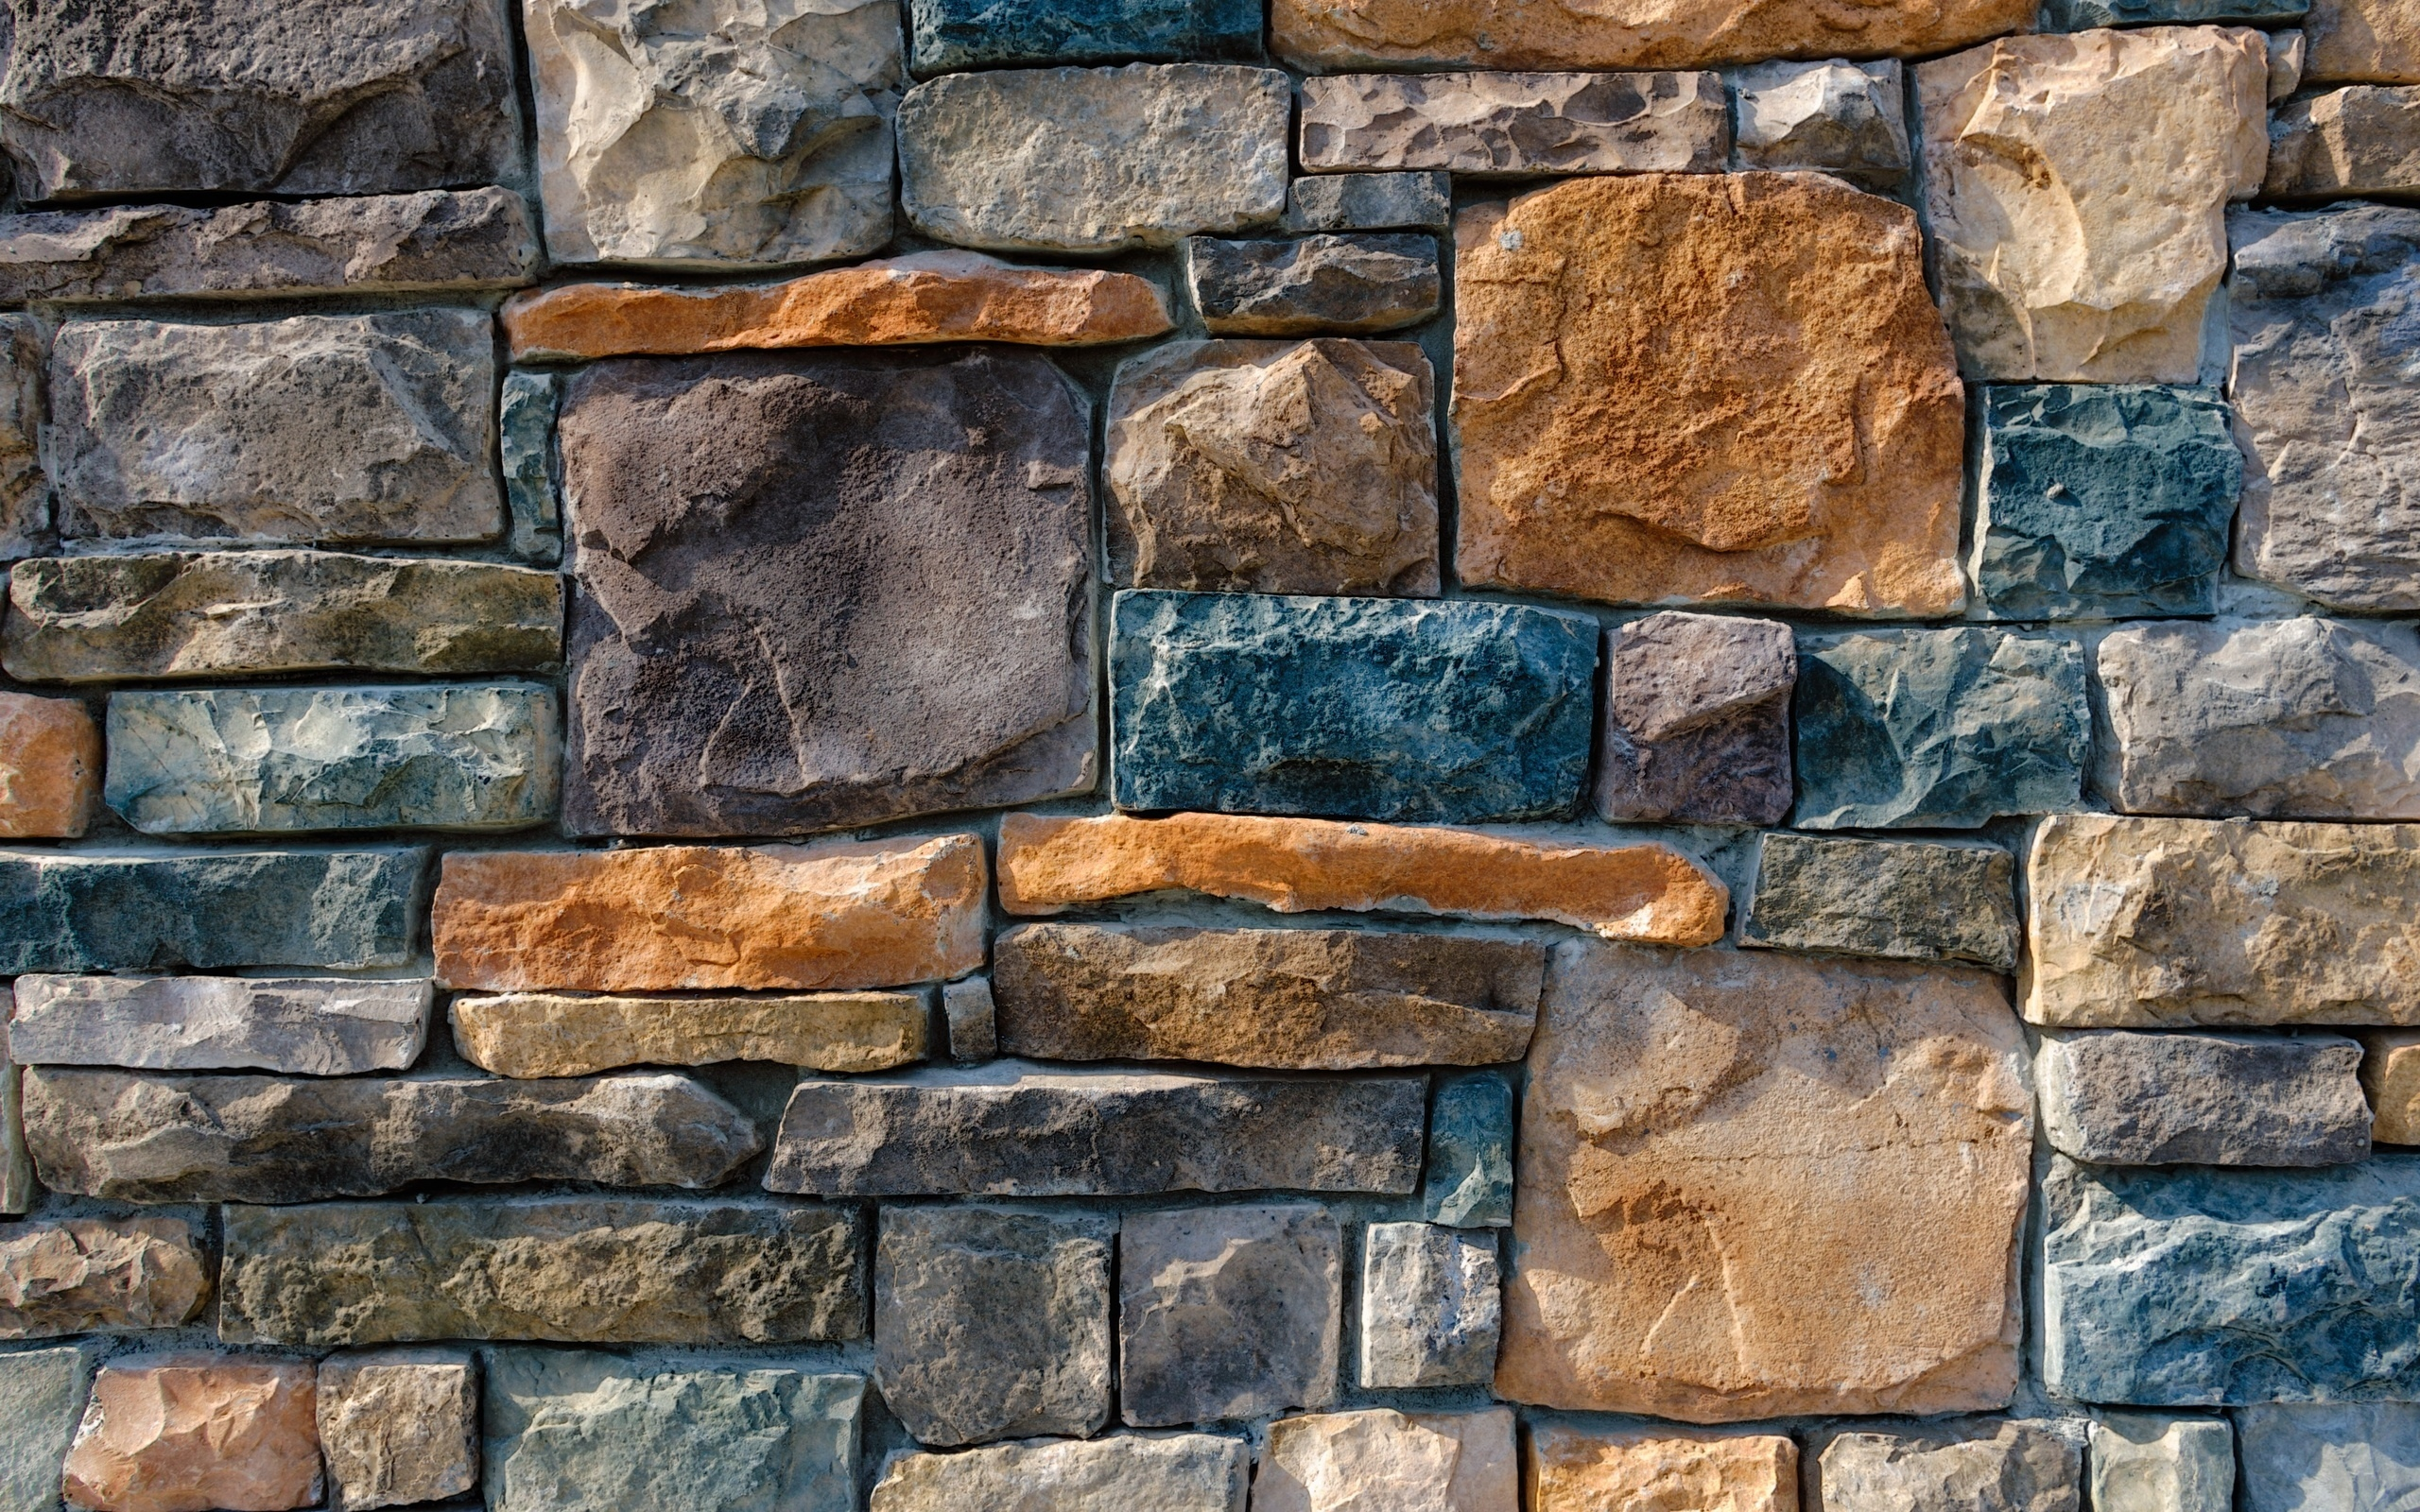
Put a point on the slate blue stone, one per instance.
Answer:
(532, 477)
(2205, 1287)
(1469, 1180)
(2103, 501)
(1456, 713)
(343, 910)
(2082, 16)
(949, 35)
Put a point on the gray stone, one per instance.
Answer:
(2145, 1464)
(399, 1426)
(1094, 159)
(2330, 1459)
(1164, 1472)
(2081, 15)
(2364, 139)
(1903, 901)
(1370, 201)
(947, 36)
(307, 1026)
(1836, 117)
(532, 473)
(1696, 722)
(149, 1138)
(17, 1189)
(232, 761)
(1013, 1128)
(989, 1324)
(42, 1400)
(96, 1275)
(1469, 1178)
(974, 1020)
(2116, 1098)
(1432, 1308)
(1516, 125)
(24, 492)
(1316, 283)
(1227, 1313)
(2005, 1467)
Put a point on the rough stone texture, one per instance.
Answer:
(2307, 718)
(42, 1399)
(1468, 1183)
(532, 473)
(991, 1324)
(310, 1027)
(2069, 252)
(262, 1138)
(316, 97)
(2363, 140)
(1228, 1312)
(2390, 1078)
(1643, 892)
(1574, 1468)
(18, 1192)
(2347, 1459)
(2120, 1098)
(1370, 201)
(1275, 467)
(232, 760)
(1939, 729)
(551, 1034)
(50, 768)
(1834, 117)
(936, 505)
(2287, 52)
(1338, 1462)
(2082, 16)
(1430, 1307)
(81, 1274)
(579, 1430)
(256, 613)
(841, 915)
(1094, 159)
(1695, 726)
(1755, 1184)
(1293, 288)
(1516, 125)
(1630, 450)
(184, 1433)
(714, 133)
(947, 36)
(1284, 999)
(2367, 42)
(974, 1020)
(399, 1426)
(1460, 712)
(2103, 500)
(2145, 1464)
(24, 492)
(1902, 901)
(2014, 1467)
(1173, 1472)
(340, 910)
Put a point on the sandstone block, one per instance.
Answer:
(84, 1275)
(24, 492)
(1124, 1473)
(555, 1034)
(1901, 901)
(1572, 1468)
(947, 36)
(532, 473)
(1275, 468)
(2145, 1464)
(1516, 125)
(2016, 1466)
(2363, 140)
(2063, 257)
(974, 1020)
(42, 1400)
(1431, 1309)
(1468, 1182)
(2390, 1078)
(1094, 159)
(311, 1026)
(2287, 51)
(1369, 201)
(1587, 462)
(2367, 42)
(399, 1426)
(1695, 726)
(1344, 284)
(1707, 1230)
(1834, 117)
(1284, 999)
(2360, 1458)
(1331, 1462)
(183, 1432)
(1228, 1312)
(2119, 1098)
(50, 768)
(937, 504)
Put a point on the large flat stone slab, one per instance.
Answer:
(1124, 1473)
(309, 1026)
(2363, 140)
(2002, 1467)
(1228, 1312)
(85, 1275)
(50, 768)
(559, 1033)
(1695, 723)
(167, 1432)
(1516, 125)
(42, 1400)
(1899, 900)
(399, 1426)
(947, 36)
(2114, 1097)
(1330, 1462)
(2361, 1458)
(1571, 1465)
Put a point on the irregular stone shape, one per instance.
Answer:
(2390, 1078)
(24, 492)
(1286, 999)
(1094, 159)
(2363, 42)
(551, 1034)
(2145, 1464)
(2103, 500)
(937, 504)
(2357, 1458)
(1574, 1468)
(1898, 900)
(2120, 1098)
(1468, 1182)
(1012, 1128)
(532, 473)
(262, 1138)
(399, 1426)
(1516, 125)
(1326, 34)
(1333, 1461)
(42, 1399)
(1275, 467)
(340, 910)
(309, 1026)
(2308, 718)
(233, 761)
(379, 244)
(1296, 288)
(1227, 1311)
(1645, 892)
(81, 1274)
(989, 1324)
(580, 1430)
(1712, 1230)
(974, 1020)
(257, 613)
(1695, 726)
(1369, 201)
(574, 1270)
(50, 768)
(1430, 1307)
(2363, 140)
(2287, 51)
(948, 36)
(1939, 729)
(2060, 259)
(1168, 1472)
(1461, 713)
(184, 1433)
(2017, 1467)
(320, 97)
(1611, 447)
(1834, 117)
(2082, 16)
(706, 134)
(839, 915)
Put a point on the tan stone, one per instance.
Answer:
(399, 1426)
(2390, 1077)
(50, 768)
(2358, 140)
(1516, 125)
(838, 915)
(2363, 41)
(1321, 34)
(2076, 189)
(1753, 1185)
(1650, 1470)
(1675, 389)
(552, 1034)
(189, 1433)
(1637, 892)
(82, 1274)
(1383, 1459)
(947, 296)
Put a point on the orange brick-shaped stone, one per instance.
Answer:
(188, 1433)
(50, 768)
(1579, 1470)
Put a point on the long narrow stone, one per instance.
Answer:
(307, 1026)
(1899, 900)
(1517, 125)
(1123, 1472)
(79, 1275)
(2119, 1098)
(17, 1189)
(553, 1034)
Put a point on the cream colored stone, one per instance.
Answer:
(554, 1034)
(399, 1426)
(2289, 53)
(2363, 42)
(2390, 1077)
(1387, 1461)
(2361, 140)
(1122, 1473)
(1520, 124)
(1572, 1468)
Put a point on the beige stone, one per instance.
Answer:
(555, 1034)
(2363, 41)
(1676, 389)
(2288, 52)
(1753, 1185)
(399, 1426)
(2362, 139)
(1651, 1470)
(1385, 1461)
(79, 1274)
(1122, 1473)
(1517, 125)
(50, 768)
(2076, 189)
(189, 1433)
(2390, 1077)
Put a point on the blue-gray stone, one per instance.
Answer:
(2082, 16)
(1469, 1180)
(2204, 1286)
(1899, 900)
(1457, 713)
(42, 1400)
(2359, 1457)
(947, 35)
(2103, 501)
(344, 910)
(532, 476)
(1938, 729)
(1370, 201)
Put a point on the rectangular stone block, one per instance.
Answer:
(340, 910)
(1468, 1181)
(2391, 1078)
(169, 1432)
(24, 492)
(17, 1189)
(1695, 727)
(1350, 284)
(2005, 1467)
(2082, 16)
(1332, 1462)
(2119, 1098)
(88, 1275)
(1516, 125)
(974, 1020)
(554, 1034)
(2145, 1464)
(2363, 140)
(309, 1026)
(399, 1426)
(1837, 117)
(1898, 900)
(948, 36)
(2374, 41)
(2361, 1458)
(532, 473)
(1370, 201)
(50, 768)
(1572, 1468)
(1123, 1472)
(1432, 1311)
(42, 1400)
(1227, 1313)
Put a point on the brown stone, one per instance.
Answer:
(1682, 390)
(2390, 1077)
(2357, 141)
(554, 1034)
(50, 768)
(189, 1433)
(838, 915)
(1634, 1470)
(399, 1426)
(82, 1274)
(1650, 892)
(2363, 41)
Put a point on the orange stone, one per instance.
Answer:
(1633, 892)
(1632, 1469)
(902, 301)
(838, 914)
(192, 1433)
(50, 768)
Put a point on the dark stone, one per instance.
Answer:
(2082, 16)
(2116, 1098)
(345, 910)
(947, 35)
(1697, 721)
(1319, 284)
(1469, 1180)
(1370, 201)
(1899, 900)
(1228, 1312)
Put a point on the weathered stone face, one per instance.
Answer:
(2363, 1458)
(79, 1274)
(974, 1020)
(2082, 16)
(1227, 1313)
(2017, 1467)
(2287, 52)
(939, 503)
(1341, 284)
(50, 768)
(1574, 1468)
(399, 1426)
(1369, 201)
(1696, 722)
(2117, 1098)
(2390, 1078)
(174, 1431)
(2145, 1464)
(1587, 461)
(947, 36)
(1901, 901)
(2358, 140)
(17, 1189)
(1517, 125)
(1767, 1238)
(2371, 41)
(42, 1399)
(548, 1034)
(24, 492)
(1834, 117)
(1330, 1462)
(324, 1026)
(1468, 1181)
(1430, 1307)
(1171, 1472)
(532, 475)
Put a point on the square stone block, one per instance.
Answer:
(1696, 724)
(399, 1426)
(1430, 1313)
(1228, 1312)
(2146, 1464)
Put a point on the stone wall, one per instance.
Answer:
(1160, 756)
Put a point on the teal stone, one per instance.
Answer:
(947, 35)
(42, 1400)
(1469, 1180)
(1454, 713)
(532, 476)
(2103, 501)
(343, 910)
(2082, 16)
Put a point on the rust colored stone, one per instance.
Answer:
(82, 1274)
(50, 768)
(190, 1432)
